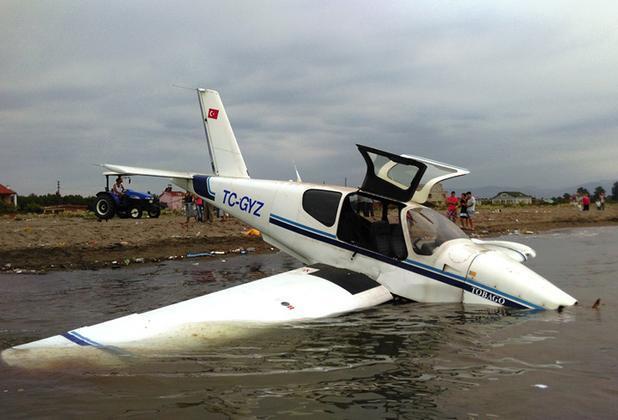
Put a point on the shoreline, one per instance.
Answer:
(38, 244)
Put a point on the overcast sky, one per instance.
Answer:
(520, 93)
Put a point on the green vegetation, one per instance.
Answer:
(34, 203)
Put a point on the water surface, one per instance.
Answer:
(395, 361)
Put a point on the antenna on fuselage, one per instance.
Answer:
(298, 178)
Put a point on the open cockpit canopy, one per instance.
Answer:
(403, 177)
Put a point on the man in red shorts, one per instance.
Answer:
(451, 207)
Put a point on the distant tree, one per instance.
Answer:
(566, 197)
(582, 191)
(615, 191)
(597, 191)
(34, 203)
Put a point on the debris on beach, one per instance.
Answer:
(253, 233)
(199, 254)
(597, 304)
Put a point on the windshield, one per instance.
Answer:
(428, 230)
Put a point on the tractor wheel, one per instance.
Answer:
(104, 207)
(154, 212)
(135, 213)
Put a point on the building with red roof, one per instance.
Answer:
(8, 196)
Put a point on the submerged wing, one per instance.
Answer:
(306, 293)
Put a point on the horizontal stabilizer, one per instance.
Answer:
(133, 170)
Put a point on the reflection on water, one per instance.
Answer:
(395, 361)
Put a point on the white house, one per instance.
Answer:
(511, 197)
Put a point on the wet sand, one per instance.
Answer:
(66, 242)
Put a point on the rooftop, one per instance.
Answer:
(6, 191)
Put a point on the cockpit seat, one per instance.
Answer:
(398, 243)
(424, 246)
(380, 237)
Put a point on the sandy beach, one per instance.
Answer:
(68, 242)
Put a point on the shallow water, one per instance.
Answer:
(396, 361)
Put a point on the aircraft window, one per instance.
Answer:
(428, 230)
(322, 205)
(398, 174)
(372, 224)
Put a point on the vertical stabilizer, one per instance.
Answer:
(224, 152)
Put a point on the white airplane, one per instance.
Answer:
(361, 246)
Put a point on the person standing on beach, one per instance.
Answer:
(602, 200)
(188, 202)
(586, 202)
(199, 206)
(451, 207)
(471, 206)
(463, 210)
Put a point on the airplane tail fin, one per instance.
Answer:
(224, 152)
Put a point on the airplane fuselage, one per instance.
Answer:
(452, 273)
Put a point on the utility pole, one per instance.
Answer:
(58, 188)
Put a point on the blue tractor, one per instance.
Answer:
(131, 204)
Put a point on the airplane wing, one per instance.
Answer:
(306, 293)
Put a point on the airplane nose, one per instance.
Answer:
(493, 276)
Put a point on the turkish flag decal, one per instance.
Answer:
(213, 113)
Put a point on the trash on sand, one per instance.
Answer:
(251, 249)
(223, 261)
(529, 232)
(218, 252)
(138, 260)
(542, 386)
(199, 254)
(252, 233)
(126, 261)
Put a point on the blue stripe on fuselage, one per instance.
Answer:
(409, 265)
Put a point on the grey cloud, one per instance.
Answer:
(511, 91)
